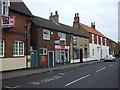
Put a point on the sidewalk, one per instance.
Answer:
(19, 73)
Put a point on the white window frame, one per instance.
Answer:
(18, 48)
(3, 50)
(44, 37)
(93, 38)
(105, 41)
(7, 7)
(101, 41)
(85, 41)
(63, 35)
(75, 39)
(97, 39)
(43, 51)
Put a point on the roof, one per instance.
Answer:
(91, 30)
(49, 24)
(20, 7)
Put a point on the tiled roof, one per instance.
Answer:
(20, 7)
(45, 23)
(91, 30)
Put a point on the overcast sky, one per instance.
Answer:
(103, 12)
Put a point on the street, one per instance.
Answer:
(96, 75)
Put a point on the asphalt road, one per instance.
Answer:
(97, 75)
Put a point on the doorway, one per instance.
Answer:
(81, 56)
(50, 58)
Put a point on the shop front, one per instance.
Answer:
(62, 54)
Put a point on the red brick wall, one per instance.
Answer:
(49, 44)
(103, 40)
(95, 39)
(16, 33)
(107, 41)
(90, 38)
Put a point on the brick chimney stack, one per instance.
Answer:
(76, 23)
(55, 17)
(93, 25)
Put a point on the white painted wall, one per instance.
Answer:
(98, 49)
(13, 63)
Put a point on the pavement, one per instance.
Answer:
(27, 72)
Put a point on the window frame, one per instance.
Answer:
(6, 5)
(75, 51)
(3, 50)
(18, 48)
(61, 38)
(75, 38)
(43, 51)
(85, 41)
(44, 34)
(93, 38)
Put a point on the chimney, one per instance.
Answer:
(76, 22)
(93, 25)
(55, 17)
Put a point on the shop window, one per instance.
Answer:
(58, 56)
(18, 48)
(2, 44)
(75, 53)
(43, 51)
(46, 34)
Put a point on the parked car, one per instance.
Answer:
(109, 58)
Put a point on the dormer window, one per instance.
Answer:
(4, 7)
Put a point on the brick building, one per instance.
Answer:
(13, 41)
(97, 41)
(55, 39)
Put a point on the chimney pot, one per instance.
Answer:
(93, 25)
(56, 13)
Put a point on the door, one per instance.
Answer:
(33, 59)
(51, 58)
(81, 55)
(63, 56)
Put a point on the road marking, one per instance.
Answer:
(111, 65)
(77, 80)
(101, 69)
(12, 87)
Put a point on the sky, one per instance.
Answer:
(103, 12)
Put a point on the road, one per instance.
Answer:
(96, 75)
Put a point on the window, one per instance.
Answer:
(92, 38)
(2, 48)
(62, 38)
(75, 53)
(85, 52)
(46, 34)
(101, 40)
(93, 52)
(105, 41)
(85, 42)
(4, 7)
(74, 40)
(97, 39)
(18, 48)
(43, 51)
(0, 7)
(58, 59)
